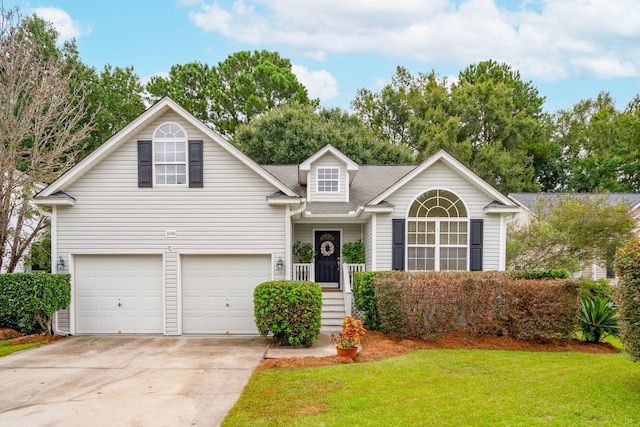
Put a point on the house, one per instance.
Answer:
(528, 202)
(167, 228)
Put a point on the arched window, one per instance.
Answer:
(437, 232)
(170, 154)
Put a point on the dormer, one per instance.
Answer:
(327, 175)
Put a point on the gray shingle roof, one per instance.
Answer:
(370, 181)
(528, 199)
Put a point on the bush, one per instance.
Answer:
(430, 304)
(627, 296)
(364, 298)
(539, 274)
(540, 310)
(597, 319)
(595, 288)
(27, 323)
(291, 310)
(28, 296)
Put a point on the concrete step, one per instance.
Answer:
(332, 311)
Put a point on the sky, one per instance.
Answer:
(569, 50)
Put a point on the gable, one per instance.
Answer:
(497, 202)
(142, 128)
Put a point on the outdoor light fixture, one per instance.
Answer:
(279, 264)
(60, 264)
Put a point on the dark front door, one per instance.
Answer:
(327, 244)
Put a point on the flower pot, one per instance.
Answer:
(347, 352)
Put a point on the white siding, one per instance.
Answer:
(350, 232)
(171, 293)
(230, 215)
(328, 161)
(368, 243)
(439, 176)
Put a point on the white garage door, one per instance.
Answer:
(217, 292)
(118, 294)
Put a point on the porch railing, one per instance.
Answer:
(304, 271)
(347, 281)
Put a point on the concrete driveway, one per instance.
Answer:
(127, 381)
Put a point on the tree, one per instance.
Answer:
(294, 132)
(490, 120)
(40, 118)
(570, 233)
(113, 97)
(601, 146)
(242, 87)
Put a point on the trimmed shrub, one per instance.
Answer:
(364, 298)
(627, 296)
(388, 288)
(597, 319)
(290, 310)
(595, 288)
(430, 304)
(540, 310)
(28, 296)
(539, 274)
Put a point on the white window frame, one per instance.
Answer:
(331, 180)
(437, 245)
(175, 134)
(456, 215)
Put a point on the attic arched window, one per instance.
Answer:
(437, 232)
(170, 155)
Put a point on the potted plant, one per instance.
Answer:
(353, 252)
(350, 336)
(304, 252)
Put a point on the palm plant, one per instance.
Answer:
(597, 319)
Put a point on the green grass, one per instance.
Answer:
(448, 388)
(7, 348)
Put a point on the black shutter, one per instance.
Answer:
(397, 237)
(475, 248)
(195, 164)
(145, 166)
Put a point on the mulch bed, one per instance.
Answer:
(379, 346)
(8, 333)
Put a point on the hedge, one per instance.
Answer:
(364, 298)
(291, 310)
(627, 296)
(429, 305)
(38, 295)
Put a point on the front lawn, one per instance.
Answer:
(7, 347)
(448, 387)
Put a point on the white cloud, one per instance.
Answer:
(545, 39)
(67, 28)
(320, 84)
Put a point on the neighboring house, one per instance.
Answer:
(528, 201)
(167, 228)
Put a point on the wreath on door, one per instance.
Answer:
(327, 248)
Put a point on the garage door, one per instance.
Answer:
(118, 294)
(217, 292)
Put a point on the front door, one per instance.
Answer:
(327, 245)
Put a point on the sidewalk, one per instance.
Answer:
(322, 347)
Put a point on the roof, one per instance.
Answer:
(528, 199)
(370, 181)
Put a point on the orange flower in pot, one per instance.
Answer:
(350, 336)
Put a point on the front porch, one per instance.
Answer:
(336, 303)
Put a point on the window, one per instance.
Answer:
(437, 232)
(170, 155)
(328, 179)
